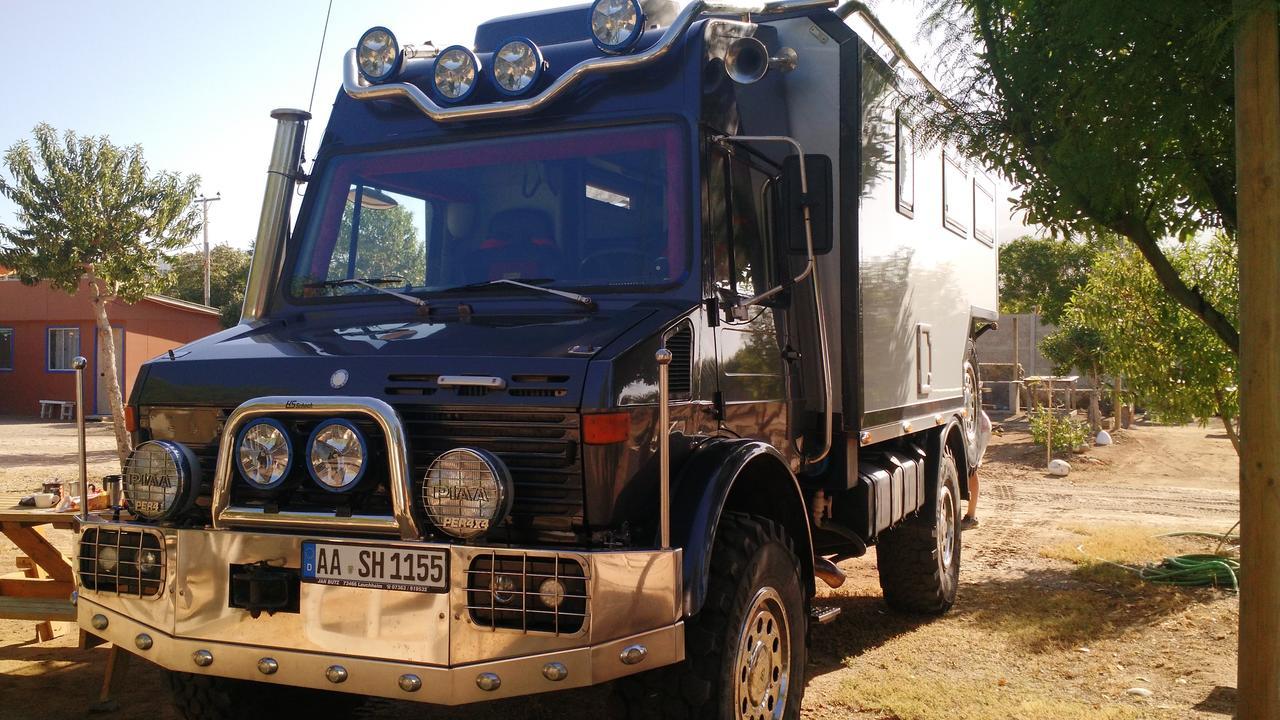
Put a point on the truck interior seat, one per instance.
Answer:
(520, 244)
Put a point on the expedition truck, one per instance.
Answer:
(590, 348)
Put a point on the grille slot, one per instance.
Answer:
(680, 372)
(139, 566)
(540, 449)
(517, 591)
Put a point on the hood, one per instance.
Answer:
(538, 356)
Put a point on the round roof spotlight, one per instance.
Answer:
(264, 453)
(457, 70)
(516, 66)
(337, 455)
(616, 25)
(378, 55)
(467, 491)
(160, 480)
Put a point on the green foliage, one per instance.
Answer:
(1068, 432)
(1039, 274)
(88, 208)
(1074, 346)
(389, 245)
(228, 273)
(1178, 368)
(1106, 115)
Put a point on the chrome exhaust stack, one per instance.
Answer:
(273, 224)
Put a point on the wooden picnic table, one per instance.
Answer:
(41, 590)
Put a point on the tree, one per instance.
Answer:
(1180, 369)
(228, 273)
(1107, 115)
(389, 245)
(1038, 275)
(90, 211)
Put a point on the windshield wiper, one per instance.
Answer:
(372, 284)
(582, 300)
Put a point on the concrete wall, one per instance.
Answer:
(996, 346)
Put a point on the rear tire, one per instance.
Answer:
(745, 650)
(202, 697)
(919, 561)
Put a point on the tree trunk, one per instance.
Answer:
(107, 343)
(1116, 382)
(1257, 106)
(1232, 434)
(1095, 412)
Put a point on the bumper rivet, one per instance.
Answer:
(488, 682)
(336, 674)
(99, 622)
(633, 654)
(410, 683)
(203, 658)
(143, 641)
(268, 666)
(554, 671)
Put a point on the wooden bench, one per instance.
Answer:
(41, 590)
(65, 409)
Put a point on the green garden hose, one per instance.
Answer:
(1214, 570)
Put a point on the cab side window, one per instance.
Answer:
(736, 223)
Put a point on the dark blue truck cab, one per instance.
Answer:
(589, 347)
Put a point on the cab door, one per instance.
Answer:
(753, 375)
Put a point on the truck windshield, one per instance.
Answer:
(598, 209)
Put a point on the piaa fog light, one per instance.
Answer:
(337, 455)
(467, 491)
(264, 453)
(516, 66)
(616, 24)
(160, 480)
(456, 71)
(378, 54)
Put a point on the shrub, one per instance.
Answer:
(1068, 432)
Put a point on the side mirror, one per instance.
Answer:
(791, 201)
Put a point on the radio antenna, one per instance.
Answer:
(319, 56)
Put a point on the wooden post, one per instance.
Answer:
(1257, 105)
(1016, 403)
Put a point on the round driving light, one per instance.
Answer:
(503, 588)
(551, 593)
(108, 559)
(467, 491)
(616, 24)
(378, 54)
(336, 455)
(149, 563)
(160, 480)
(264, 453)
(516, 66)
(457, 69)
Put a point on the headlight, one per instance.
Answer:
(516, 66)
(160, 479)
(108, 559)
(264, 453)
(378, 54)
(456, 71)
(337, 455)
(616, 24)
(467, 491)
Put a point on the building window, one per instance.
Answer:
(64, 346)
(984, 211)
(956, 202)
(6, 349)
(906, 168)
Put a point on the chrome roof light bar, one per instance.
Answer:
(355, 85)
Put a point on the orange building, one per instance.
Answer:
(42, 330)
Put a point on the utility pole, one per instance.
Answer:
(204, 207)
(1257, 107)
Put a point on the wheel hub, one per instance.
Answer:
(946, 526)
(763, 663)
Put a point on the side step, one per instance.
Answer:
(821, 614)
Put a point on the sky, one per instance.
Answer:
(194, 83)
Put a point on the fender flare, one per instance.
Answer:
(952, 433)
(699, 496)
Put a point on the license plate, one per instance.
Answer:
(376, 567)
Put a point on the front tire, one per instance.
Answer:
(919, 561)
(745, 650)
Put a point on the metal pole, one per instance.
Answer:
(79, 364)
(204, 224)
(663, 357)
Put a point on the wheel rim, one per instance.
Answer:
(762, 669)
(970, 403)
(946, 526)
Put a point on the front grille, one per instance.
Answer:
(540, 448)
(124, 562)
(528, 592)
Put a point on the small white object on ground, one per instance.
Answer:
(1104, 438)
(1140, 692)
(1059, 467)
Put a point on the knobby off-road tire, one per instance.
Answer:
(745, 650)
(200, 697)
(919, 561)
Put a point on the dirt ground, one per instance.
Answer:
(1040, 630)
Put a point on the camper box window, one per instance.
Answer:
(955, 186)
(906, 168)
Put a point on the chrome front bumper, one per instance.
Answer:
(406, 645)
